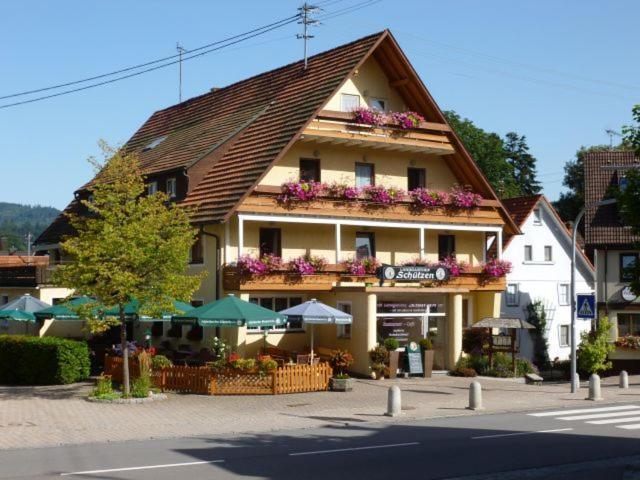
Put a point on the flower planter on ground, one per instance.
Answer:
(427, 362)
(341, 384)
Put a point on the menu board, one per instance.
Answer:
(402, 329)
(414, 358)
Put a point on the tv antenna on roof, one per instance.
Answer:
(180, 50)
(306, 11)
(612, 133)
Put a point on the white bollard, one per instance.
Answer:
(475, 396)
(594, 388)
(624, 379)
(394, 405)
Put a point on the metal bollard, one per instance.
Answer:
(475, 396)
(394, 405)
(624, 379)
(594, 388)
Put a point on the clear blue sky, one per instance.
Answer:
(559, 72)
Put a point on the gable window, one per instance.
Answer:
(627, 260)
(349, 102)
(628, 324)
(537, 216)
(565, 335)
(365, 175)
(528, 253)
(378, 104)
(152, 188)
(309, 170)
(416, 178)
(270, 242)
(563, 294)
(196, 255)
(344, 331)
(512, 295)
(446, 246)
(171, 187)
(365, 244)
(548, 253)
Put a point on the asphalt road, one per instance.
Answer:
(593, 442)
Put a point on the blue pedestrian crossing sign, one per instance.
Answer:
(586, 305)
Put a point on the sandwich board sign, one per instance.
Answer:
(586, 305)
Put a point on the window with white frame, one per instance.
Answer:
(171, 187)
(528, 253)
(378, 104)
(277, 303)
(152, 188)
(349, 102)
(537, 216)
(548, 253)
(565, 335)
(563, 294)
(344, 331)
(512, 295)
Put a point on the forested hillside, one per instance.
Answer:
(17, 220)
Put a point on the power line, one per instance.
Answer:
(277, 24)
(350, 9)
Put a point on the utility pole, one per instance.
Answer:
(180, 52)
(306, 11)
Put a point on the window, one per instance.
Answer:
(378, 104)
(152, 188)
(416, 178)
(171, 187)
(344, 331)
(563, 294)
(627, 260)
(197, 251)
(528, 253)
(348, 102)
(548, 253)
(446, 246)
(565, 335)
(537, 216)
(270, 242)
(309, 170)
(365, 244)
(277, 304)
(364, 175)
(628, 324)
(512, 295)
(154, 143)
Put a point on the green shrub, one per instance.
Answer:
(379, 355)
(391, 344)
(463, 372)
(426, 344)
(595, 348)
(28, 360)
(503, 368)
(140, 387)
(104, 387)
(160, 361)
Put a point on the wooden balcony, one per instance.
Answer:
(263, 200)
(334, 277)
(24, 276)
(339, 128)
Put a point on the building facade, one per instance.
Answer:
(541, 259)
(233, 152)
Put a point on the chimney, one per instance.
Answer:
(214, 89)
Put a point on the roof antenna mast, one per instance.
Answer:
(612, 133)
(180, 50)
(306, 10)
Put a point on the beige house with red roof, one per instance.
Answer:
(232, 152)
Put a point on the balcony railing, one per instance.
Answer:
(24, 276)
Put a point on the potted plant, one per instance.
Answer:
(427, 356)
(379, 357)
(340, 361)
(392, 344)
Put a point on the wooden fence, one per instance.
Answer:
(287, 379)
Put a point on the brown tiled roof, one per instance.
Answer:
(60, 227)
(520, 207)
(602, 171)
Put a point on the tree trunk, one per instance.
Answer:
(125, 352)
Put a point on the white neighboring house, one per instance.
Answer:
(541, 259)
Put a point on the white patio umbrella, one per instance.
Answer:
(313, 312)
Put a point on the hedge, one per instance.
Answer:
(28, 360)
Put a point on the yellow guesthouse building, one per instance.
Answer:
(229, 152)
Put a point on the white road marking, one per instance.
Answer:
(145, 467)
(600, 415)
(499, 435)
(635, 426)
(583, 410)
(614, 420)
(371, 447)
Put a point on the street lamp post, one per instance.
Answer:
(575, 381)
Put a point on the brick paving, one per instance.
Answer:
(60, 415)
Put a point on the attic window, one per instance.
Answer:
(154, 143)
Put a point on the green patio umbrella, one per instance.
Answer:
(18, 315)
(231, 312)
(65, 311)
(131, 311)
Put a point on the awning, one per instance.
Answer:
(132, 311)
(66, 310)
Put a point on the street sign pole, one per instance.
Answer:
(575, 380)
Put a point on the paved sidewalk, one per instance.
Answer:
(60, 415)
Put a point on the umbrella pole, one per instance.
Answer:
(312, 328)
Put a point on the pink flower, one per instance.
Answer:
(367, 116)
(407, 120)
(301, 191)
(362, 266)
(380, 194)
(495, 268)
(422, 198)
(252, 266)
(343, 191)
(464, 198)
